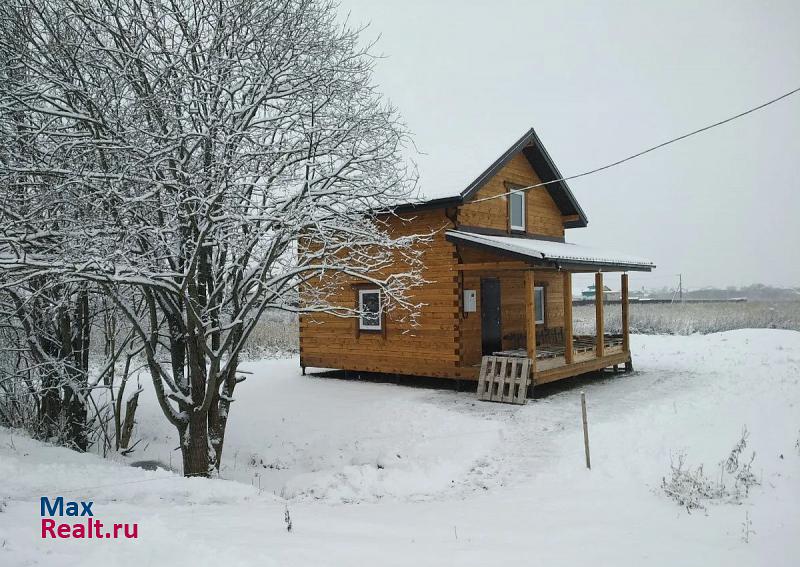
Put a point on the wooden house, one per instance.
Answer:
(500, 274)
(608, 294)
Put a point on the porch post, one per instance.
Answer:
(567, 290)
(598, 314)
(626, 344)
(530, 319)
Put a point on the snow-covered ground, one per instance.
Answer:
(380, 474)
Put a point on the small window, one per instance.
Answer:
(516, 210)
(538, 303)
(369, 306)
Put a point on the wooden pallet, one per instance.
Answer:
(504, 379)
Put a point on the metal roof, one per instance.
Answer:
(558, 254)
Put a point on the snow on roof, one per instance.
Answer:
(554, 251)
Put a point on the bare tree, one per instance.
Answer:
(189, 148)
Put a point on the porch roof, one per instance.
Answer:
(558, 254)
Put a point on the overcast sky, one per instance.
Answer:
(601, 80)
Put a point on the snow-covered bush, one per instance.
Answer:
(693, 488)
(690, 488)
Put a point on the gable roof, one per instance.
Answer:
(530, 146)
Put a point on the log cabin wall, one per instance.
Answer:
(542, 216)
(446, 339)
(431, 349)
(512, 304)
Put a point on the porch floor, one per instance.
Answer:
(581, 344)
(551, 357)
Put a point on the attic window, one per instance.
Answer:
(516, 210)
(369, 307)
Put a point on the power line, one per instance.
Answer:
(646, 151)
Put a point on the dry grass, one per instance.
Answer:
(691, 318)
(277, 332)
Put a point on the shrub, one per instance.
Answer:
(693, 488)
(691, 318)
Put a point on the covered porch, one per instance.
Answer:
(523, 289)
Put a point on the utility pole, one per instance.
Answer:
(680, 288)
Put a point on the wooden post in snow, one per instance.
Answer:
(585, 431)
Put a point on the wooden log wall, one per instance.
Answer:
(446, 339)
(542, 216)
(431, 349)
(512, 303)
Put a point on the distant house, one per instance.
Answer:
(608, 295)
(500, 274)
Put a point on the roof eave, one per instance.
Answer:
(551, 262)
(440, 203)
(556, 174)
(580, 223)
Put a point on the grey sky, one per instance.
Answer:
(600, 81)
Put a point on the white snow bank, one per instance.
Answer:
(31, 469)
(342, 441)
(523, 497)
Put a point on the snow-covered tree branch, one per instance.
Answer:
(182, 153)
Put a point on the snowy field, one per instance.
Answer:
(381, 474)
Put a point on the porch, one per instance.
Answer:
(523, 290)
(551, 360)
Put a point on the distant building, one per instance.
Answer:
(608, 295)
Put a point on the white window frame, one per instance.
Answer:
(511, 196)
(361, 325)
(535, 303)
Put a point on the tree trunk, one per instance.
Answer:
(50, 407)
(194, 446)
(127, 427)
(218, 415)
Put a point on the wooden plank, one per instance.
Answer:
(590, 365)
(400, 369)
(598, 314)
(626, 343)
(491, 266)
(530, 318)
(499, 380)
(524, 380)
(542, 215)
(512, 379)
(569, 353)
(482, 378)
(498, 373)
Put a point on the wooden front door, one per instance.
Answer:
(491, 339)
